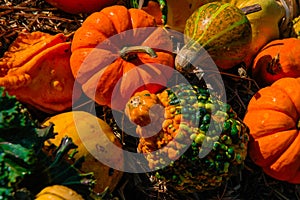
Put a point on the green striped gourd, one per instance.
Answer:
(222, 29)
(202, 136)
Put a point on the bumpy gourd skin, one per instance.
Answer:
(200, 136)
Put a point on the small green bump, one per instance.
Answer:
(219, 157)
(226, 167)
(206, 119)
(230, 150)
(238, 158)
(224, 147)
(216, 145)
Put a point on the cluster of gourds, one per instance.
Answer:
(120, 51)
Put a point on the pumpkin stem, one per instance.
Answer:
(251, 9)
(274, 66)
(127, 52)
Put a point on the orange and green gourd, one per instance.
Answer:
(222, 29)
(201, 137)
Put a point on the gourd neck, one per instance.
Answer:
(128, 53)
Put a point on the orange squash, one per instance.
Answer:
(82, 128)
(273, 117)
(101, 57)
(278, 59)
(36, 69)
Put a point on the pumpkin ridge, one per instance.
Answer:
(287, 155)
(273, 156)
(101, 15)
(277, 110)
(291, 100)
(273, 132)
(115, 18)
(278, 87)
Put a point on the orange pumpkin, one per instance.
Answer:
(278, 59)
(110, 71)
(80, 6)
(273, 117)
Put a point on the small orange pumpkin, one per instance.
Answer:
(104, 62)
(278, 59)
(273, 117)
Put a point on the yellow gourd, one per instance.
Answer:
(83, 128)
(58, 192)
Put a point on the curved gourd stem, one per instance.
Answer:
(251, 9)
(127, 52)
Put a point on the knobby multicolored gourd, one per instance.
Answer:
(278, 59)
(114, 47)
(82, 127)
(222, 29)
(36, 69)
(273, 119)
(200, 136)
(25, 166)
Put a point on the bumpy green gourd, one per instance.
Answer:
(202, 138)
(222, 29)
